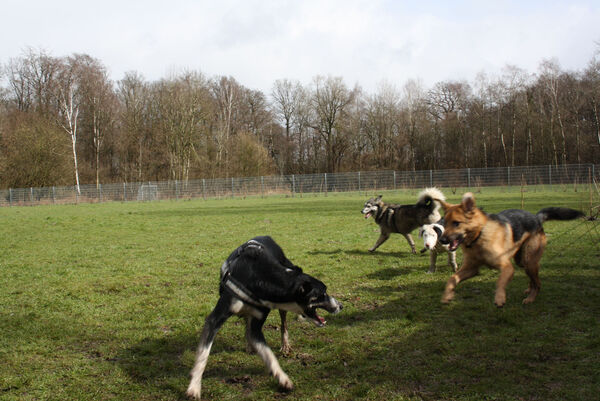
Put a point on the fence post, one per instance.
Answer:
(325, 184)
(10, 196)
(468, 178)
(262, 186)
(549, 174)
(293, 185)
(204, 189)
(176, 191)
(508, 175)
(31, 195)
(430, 178)
(232, 188)
(124, 192)
(100, 192)
(359, 181)
(590, 181)
(394, 179)
(53, 195)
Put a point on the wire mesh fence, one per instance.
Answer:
(292, 185)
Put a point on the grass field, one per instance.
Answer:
(106, 302)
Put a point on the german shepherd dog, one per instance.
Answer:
(403, 219)
(256, 278)
(494, 239)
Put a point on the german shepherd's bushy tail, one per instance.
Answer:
(558, 213)
(431, 197)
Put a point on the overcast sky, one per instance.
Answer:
(258, 42)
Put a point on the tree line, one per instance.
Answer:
(64, 121)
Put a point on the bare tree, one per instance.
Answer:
(591, 82)
(32, 78)
(227, 93)
(135, 122)
(330, 97)
(98, 105)
(550, 76)
(69, 99)
(286, 100)
(448, 105)
(381, 124)
(183, 106)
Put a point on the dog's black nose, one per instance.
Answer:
(444, 240)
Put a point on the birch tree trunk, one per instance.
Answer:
(71, 112)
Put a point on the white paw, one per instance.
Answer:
(193, 391)
(285, 383)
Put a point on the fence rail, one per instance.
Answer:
(301, 184)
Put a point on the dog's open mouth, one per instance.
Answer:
(455, 243)
(368, 214)
(315, 318)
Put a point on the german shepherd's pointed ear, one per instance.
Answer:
(468, 202)
(378, 198)
(445, 205)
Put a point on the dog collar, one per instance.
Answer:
(470, 244)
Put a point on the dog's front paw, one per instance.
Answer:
(500, 300)
(193, 391)
(286, 349)
(372, 250)
(285, 383)
(447, 297)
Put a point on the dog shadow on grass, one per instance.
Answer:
(360, 252)
(164, 364)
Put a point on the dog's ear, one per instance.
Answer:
(305, 285)
(445, 205)
(468, 202)
(378, 198)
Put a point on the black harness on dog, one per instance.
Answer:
(238, 290)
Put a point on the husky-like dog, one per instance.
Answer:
(256, 278)
(431, 234)
(494, 239)
(403, 219)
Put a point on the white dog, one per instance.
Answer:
(431, 234)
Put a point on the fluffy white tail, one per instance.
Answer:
(431, 195)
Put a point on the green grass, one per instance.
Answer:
(106, 302)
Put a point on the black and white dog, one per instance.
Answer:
(256, 278)
(431, 234)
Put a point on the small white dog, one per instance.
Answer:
(431, 234)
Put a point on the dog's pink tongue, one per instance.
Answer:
(367, 215)
(321, 319)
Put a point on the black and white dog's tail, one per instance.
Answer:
(558, 213)
(429, 198)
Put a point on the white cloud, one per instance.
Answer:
(259, 41)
